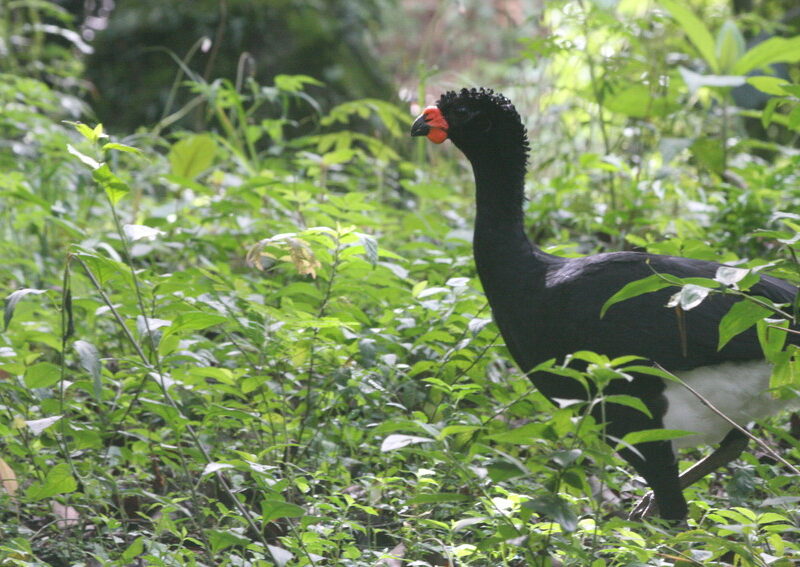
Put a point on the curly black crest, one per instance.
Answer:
(495, 104)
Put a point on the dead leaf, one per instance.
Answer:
(8, 479)
(67, 515)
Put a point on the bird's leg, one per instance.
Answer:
(729, 449)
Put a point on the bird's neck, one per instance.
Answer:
(504, 256)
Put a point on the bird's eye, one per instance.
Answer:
(460, 113)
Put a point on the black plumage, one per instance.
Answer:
(548, 307)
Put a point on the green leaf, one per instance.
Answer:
(439, 497)
(709, 152)
(13, 298)
(457, 429)
(769, 85)
(773, 50)
(649, 435)
(556, 508)
(42, 375)
(223, 539)
(730, 46)
(192, 155)
(740, 317)
(122, 148)
(134, 550)
(524, 435)
(770, 338)
(275, 509)
(696, 30)
(635, 289)
(114, 187)
(630, 401)
(59, 480)
(89, 359)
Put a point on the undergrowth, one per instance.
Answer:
(247, 347)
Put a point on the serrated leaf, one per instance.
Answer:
(192, 155)
(398, 441)
(42, 375)
(59, 480)
(635, 289)
(741, 316)
(14, 298)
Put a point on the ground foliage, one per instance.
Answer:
(242, 347)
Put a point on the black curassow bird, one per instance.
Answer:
(548, 307)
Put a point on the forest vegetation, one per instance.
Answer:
(242, 323)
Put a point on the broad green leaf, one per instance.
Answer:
(695, 29)
(42, 375)
(649, 435)
(635, 289)
(769, 85)
(740, 317)
(524, 435)
(772, 339)
(192, 155)
(556, 508)
(773, 50)
(134, 550)
(223, 539)
(113, 186)
(275, 509)
(13, 298)
(59, 480)
(630, 401)
(456, 429)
